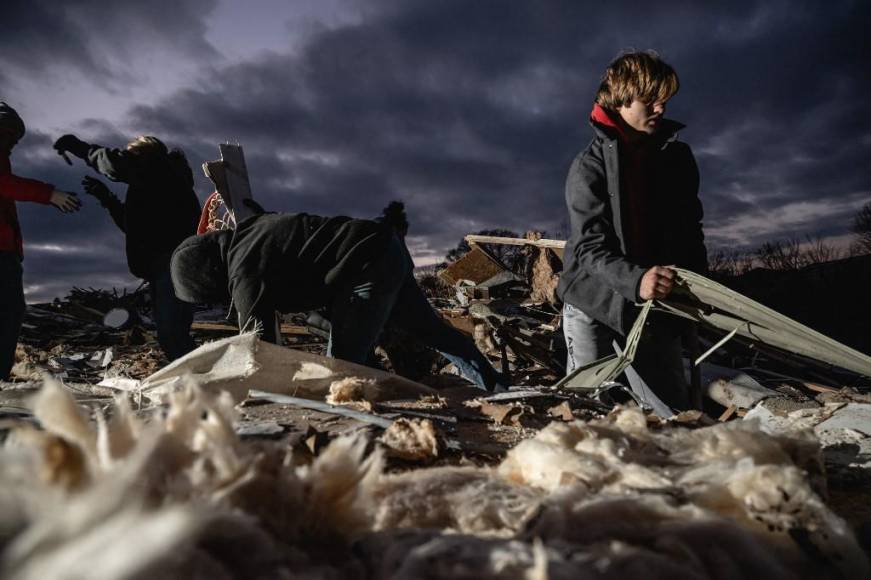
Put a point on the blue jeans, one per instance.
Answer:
(658, 360)
(172, 317)
(11, 309)
(386, 292)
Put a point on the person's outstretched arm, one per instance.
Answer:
(107, 199)
(23, 189)
(116, 164)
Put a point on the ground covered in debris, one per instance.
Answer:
(253, 461)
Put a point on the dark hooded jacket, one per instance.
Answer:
(160, 209)
(283, 262)
(599, 276)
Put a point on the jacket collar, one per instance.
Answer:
(603, 124)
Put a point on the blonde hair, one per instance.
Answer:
(641, 76)
(146, 144)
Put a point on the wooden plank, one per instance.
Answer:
(818, 388)
(553, 244)
(727, 414)
(477, 266)
(290, 329)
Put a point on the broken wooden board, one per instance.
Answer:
(289, 329)
(477, 266)
(556, 245)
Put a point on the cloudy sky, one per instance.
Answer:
(469, 111)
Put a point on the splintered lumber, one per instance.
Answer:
(290, 329)
(553, 244)
(556, 245)
(477, 265)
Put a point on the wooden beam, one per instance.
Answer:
(290, 329)
(553, 244)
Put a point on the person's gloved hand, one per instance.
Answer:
(71, 144)
(97, 188)
(66, 201)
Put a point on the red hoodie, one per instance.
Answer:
(12, 189)
(634, 189)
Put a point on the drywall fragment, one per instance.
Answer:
(846, 435)
(237, 363)
(120, 383)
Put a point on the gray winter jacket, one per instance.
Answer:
(597, 276)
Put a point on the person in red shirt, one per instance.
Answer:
(13, 189)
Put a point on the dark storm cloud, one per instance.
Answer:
(472, 111)
(95, 38)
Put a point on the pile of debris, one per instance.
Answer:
(246, 459)
(514, 317)
(180, 495)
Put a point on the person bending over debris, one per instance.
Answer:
(12, 189)
(358, 269)
(633, 202)
(159, 211)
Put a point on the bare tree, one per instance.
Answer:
(729, 262)
(793, 254)
(780, 255)
(816, 251)
(862, 229)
